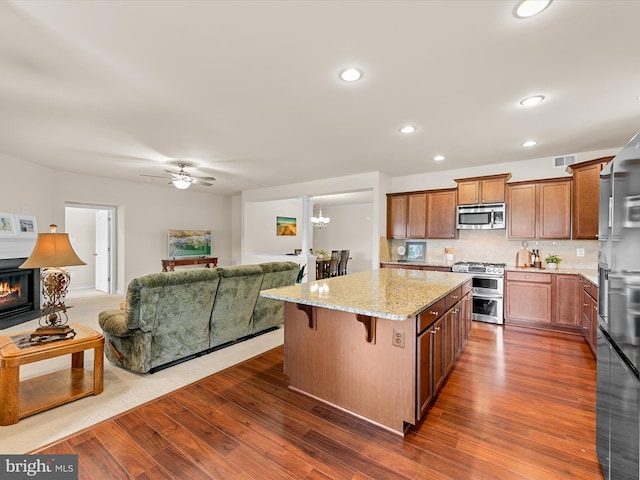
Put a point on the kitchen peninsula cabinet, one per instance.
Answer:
(488, 189)
(589, 313)
(420, 215)
(539, 209)
(586, 189)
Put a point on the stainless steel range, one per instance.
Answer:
(488, 289)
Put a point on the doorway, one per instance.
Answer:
(91, 230)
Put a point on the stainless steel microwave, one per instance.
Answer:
(481, 217)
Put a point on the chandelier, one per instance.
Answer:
(320, 221)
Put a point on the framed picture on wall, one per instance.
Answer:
(286, 226)
(26, 225)
(7, 225)
(189, 243)
(416, 251)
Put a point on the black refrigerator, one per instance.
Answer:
(618, 363)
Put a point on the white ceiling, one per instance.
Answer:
(249, 92)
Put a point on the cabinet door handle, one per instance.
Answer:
(433, 313)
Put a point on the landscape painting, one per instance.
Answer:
(189, 243)
(286, 226)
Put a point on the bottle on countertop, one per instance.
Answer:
(537, 263)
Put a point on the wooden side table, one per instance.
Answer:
(21, 399)
(173, 262)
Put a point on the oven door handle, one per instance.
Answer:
(490, 296)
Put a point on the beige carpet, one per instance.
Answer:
(123, 390)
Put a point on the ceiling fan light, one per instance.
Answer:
(181, 183)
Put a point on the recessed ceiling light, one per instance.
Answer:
(534, 100)
(529, 143)
(529, 8)
(408, 129)
(350, 74)
(438, 158)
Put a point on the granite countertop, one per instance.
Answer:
(425, 263)
(590, 274)
(394, 294)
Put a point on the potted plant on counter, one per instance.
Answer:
(552, 261)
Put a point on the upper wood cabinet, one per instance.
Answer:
(586, 188)
(417, 215)
(426, 214)
(474, 190)
(441, 214)
(540, 209)
(397, 216)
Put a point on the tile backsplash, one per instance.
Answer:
(493, 246)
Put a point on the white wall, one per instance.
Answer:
(350, 229)
(535, 169)
(378, 182)
(260, 219)
(144, 213)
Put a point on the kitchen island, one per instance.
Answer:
(377, 344)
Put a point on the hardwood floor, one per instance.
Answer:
(520, 404)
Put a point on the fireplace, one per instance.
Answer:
(19, 292)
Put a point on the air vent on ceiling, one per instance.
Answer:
(565, 160)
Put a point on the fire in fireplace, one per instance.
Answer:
(19, 292)
(11, 291)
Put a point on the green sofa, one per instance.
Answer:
(174, 316)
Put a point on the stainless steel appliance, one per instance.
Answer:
(488, 289)
(618, 378)
(481, 217)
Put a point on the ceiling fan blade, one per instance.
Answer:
(153, 176)
(200, 182)
(208, 179)
(171, 172)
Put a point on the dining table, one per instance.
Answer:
(322, 267)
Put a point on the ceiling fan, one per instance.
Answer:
(183, 179)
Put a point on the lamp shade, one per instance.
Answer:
(52, 250)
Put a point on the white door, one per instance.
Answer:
(103, 247)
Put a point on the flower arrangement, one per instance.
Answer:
(552, 259)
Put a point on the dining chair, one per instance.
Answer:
(334, 263)
(344, 258)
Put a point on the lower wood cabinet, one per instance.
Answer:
(528, 298)
(589, 313)
(443, 331)
(552, 301)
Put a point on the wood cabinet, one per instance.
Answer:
(441, 214)
(566, 299)
(551, 301)
(397, 216)
(417, 215)
(527, 298)
(540, 209)
(589, 313)
(586, 188)
(442, 332)
(489, 189)
(427, 214)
